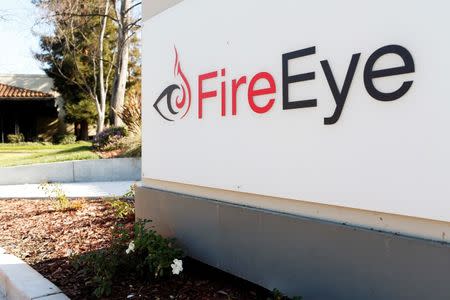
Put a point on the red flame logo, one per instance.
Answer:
(182, 103)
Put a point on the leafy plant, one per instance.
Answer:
(133, 146)
(104, 265)
(131, 114)
(148, 255)
(15, 138)
(131, 192)
(153, 253)
(61, 202)
(65, 139)
(122, 208)
(110, 139)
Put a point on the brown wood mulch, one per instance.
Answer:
(47, 239)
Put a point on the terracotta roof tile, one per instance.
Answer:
(12, 92)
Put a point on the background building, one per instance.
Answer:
(28, 105)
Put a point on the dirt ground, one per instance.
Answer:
(48, 240)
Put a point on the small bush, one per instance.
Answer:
(153, 254)
(15, 138)
(133, 145)
(102, 266)
(131, 192)
(132, 118)
(122, 208)
(148, 255)
(65, 139)
(56, 194)
(131, 115)
(110, 139)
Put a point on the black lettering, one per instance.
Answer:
(287, 79)
(370, 74)
(339, 96)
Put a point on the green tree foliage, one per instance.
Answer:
(82, 54)
(71, 55)
(81, 113)
(134, 68)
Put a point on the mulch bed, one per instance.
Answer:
(47, 239)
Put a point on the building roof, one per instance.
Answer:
(12, 93)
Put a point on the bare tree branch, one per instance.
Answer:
(132, 7)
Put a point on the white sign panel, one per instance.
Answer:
(337, 102)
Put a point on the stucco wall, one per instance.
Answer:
(42, 83)
(29, 81)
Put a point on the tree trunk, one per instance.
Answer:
(76, 127)
(84, 131)
(101, 107)
(121, 72)
(100, 123)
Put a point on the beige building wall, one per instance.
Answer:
(42, 83)
(35, 82)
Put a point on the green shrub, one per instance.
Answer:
(122, 208)
(110, 139)
(148, 255)
(131, 115)
(15, 138)
(65, 139)
(103, 266)
(153, 254)
(56, 194)
(131, 192)
(133, 145)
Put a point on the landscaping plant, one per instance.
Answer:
(131, 115)
(15, 138)
(132, 118)
(131, 192)
(61, 201)
(122, 208)
(65, 139)
(147, 255)
(110, 139)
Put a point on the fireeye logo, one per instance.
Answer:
(177, 105)
(260, 91)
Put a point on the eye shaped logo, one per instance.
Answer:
(175, 101)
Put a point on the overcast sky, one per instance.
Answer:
(16, 39)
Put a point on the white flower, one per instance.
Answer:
(177, 266)
(130, 247)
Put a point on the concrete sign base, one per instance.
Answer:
(297, 255)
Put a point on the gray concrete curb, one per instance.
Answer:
(18, 281)
(99, 170)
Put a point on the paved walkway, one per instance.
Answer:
(72, 190)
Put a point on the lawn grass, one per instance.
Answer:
(26, 154)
